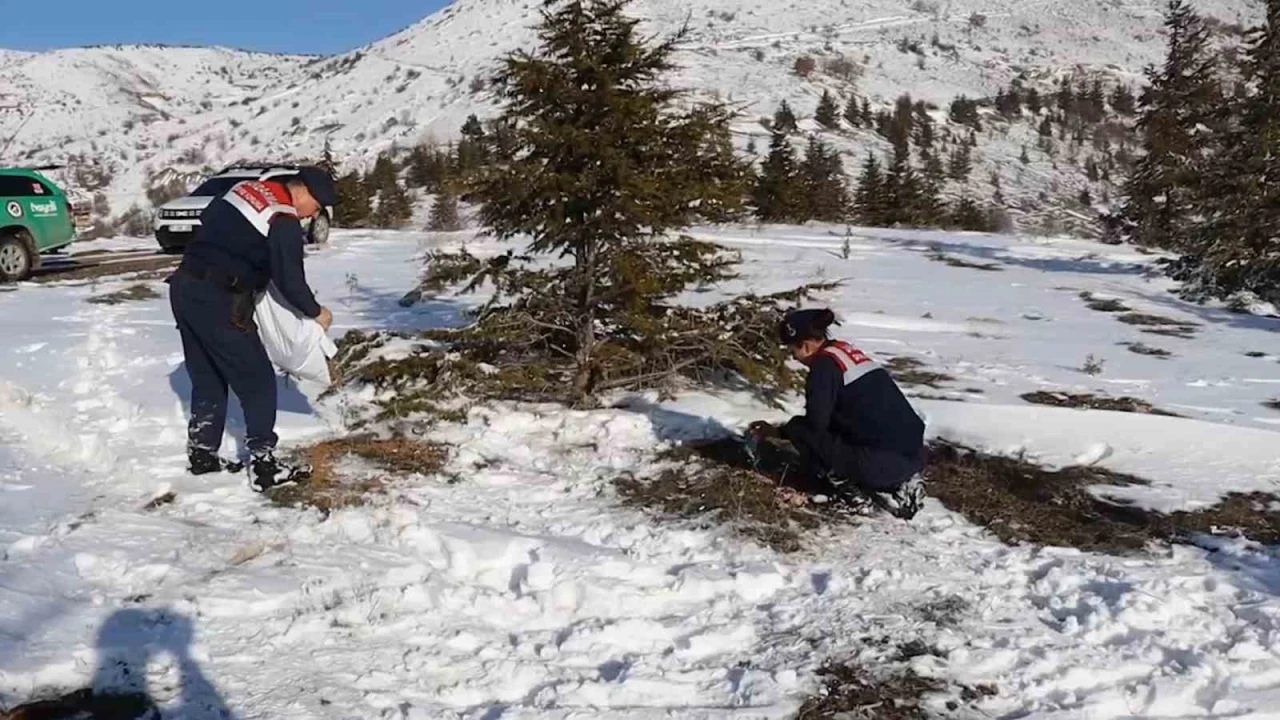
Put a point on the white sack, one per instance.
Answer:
(295, 343)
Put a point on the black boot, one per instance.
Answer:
(267, 471)
(203, 462)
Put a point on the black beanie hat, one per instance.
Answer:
(800, 325)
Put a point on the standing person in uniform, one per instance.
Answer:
(251, 236)
(858, 434)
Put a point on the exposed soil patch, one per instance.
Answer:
(912, 371)
(1255, 354)
(1141, 349)
(1022, 502)
(1094, 402)
(152, 265)
(86, 705)
(716, 483)
(1107, 305)
(1160, 325)
(851, 692)
(160, 501)
(329, 489)
(133, 293)
(1271, 404)
(937, 255)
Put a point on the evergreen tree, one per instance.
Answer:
(444, 211)
(1066, 99)
(828, 113)
(353, 201)
(826, 195)
(1122, 100)
(960, 163)
(853, 112)
(1086, 198)
(965, 112)
(868, 117)
(473, 148)
(751, 145)
(1034, 103)
(1237, 240)
(1046, 127)
(869, 200)
(776, 196)
(902, 189)
(1183, 95)
(610, 160)
(393, 206)
(784, 121)
(1024, 158)
(427, 167)
(966, 215)
(383, 174)
(326, 160)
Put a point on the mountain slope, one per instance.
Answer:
(137, 110)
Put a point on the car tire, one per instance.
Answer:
(17, 259)
(318, 234)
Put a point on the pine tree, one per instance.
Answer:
(1122, 100)
(965, 112)
(869, 200)
(828, 114)
(473, 148)
(1086, 198)
(610, 160)
(751, 145)
(1183, 94)
(1091, 170)
(1024, 158)
(326, 160)
(960, 164)
(427, 167)
(393, 206)
(966, 215)
(853, 112)
(1046, 127)
(784, 121)
(776, 196)
(1034, 103)
(826, 195)
(353, 201)
(444, 211)
(1237, 241)
(868, 117)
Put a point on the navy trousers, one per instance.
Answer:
(871, 468)
(219, 356)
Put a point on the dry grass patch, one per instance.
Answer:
(152, 266)
(1160, 325)
(329, 489)
(716, 483)
(937, 255)
(1089, 401)
(86, 705)
(1107, 305)
(912, 371)
(1020, 502)
(850, 691)
(133, 293)
(1141, 349)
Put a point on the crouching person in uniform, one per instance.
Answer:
(250, 236)
(859, 435)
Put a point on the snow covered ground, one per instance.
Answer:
(524, 591)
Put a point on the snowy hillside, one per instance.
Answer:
(514, 585)
(139, 110)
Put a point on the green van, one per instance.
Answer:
(35, 218)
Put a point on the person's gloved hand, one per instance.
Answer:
(761, 430)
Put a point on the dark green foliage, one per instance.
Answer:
(870, 202)
(1183, 94)
(1046, 127)
(1122, 100)
(1023, 157)
(965, 112)
(853, 112)
(776, 196)
(784, 120)
(353, 207)
(1033, 101)
(1234, 246)
(966, 215)
(960, 163)
(826, 196)
(326, 160)
(393, 207)
(828, 113)
(428, 166)
(444, 211)
(609, 161)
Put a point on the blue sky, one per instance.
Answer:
(299, 26)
